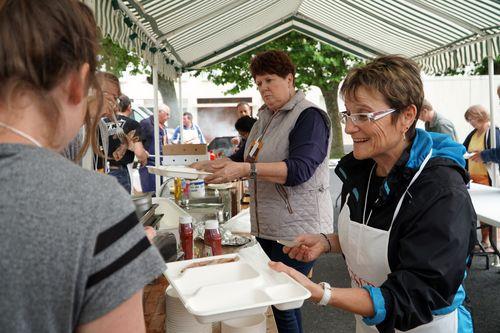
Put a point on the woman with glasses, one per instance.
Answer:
(407, 223)
(476, 142)
(286, 159)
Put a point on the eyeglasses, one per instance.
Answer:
(361, 118)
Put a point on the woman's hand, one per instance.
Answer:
(202, 165)
(315, 289)
(226, 171)
(310, 247)
(476, 157)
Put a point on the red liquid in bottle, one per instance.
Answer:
(186, 236)
(212, 239)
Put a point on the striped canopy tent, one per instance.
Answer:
(191, 34)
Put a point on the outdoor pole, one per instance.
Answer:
(181, 126)
(491, 87)
(156, 125)
(489, 47)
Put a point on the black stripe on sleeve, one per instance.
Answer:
(121, 262)
(111, 235)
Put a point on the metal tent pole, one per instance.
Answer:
(156, 124)
(489, 47)
(181, 126)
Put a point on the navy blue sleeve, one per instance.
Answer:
(308, 146)
(491, 155)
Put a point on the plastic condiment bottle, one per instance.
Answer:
(186, 236)
(212, 239)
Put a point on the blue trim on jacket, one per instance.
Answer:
(378, 306)
(442, 146)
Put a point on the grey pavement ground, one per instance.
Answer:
(482, 286)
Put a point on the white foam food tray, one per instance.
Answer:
(178, 171)
(235, 289)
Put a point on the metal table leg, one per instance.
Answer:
(493, 242)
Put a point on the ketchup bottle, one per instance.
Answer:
(186, 236)
(212, 239)
(212, 155)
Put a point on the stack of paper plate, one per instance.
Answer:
(178, 319)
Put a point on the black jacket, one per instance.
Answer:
(430, 239)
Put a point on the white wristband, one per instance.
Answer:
(327, 294)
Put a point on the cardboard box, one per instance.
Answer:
(185, 149)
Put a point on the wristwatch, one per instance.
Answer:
(253, 171)
(327, 294)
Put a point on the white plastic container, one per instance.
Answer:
(251, 324)
(197, 189)
(236, 289)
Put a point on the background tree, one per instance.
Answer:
(318, 64)
(117, 60)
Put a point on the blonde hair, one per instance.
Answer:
(477, 112)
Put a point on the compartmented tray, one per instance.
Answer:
(235, 289)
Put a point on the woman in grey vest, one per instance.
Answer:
(286, 158)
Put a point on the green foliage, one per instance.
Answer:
(482, 68)
(317, 64)
(115, 59)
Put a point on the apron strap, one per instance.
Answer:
(398, 207)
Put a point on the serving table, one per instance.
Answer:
(486, 202)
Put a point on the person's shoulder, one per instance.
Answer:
(131, 121)
(100, 193)
(441, 176)
(443, 120)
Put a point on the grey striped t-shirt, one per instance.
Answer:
(71, 249)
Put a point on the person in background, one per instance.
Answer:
(82, 265)
(192, 132)
(243, 109)
(407, 224)
(286, 159)
(476, 142)
(243, 126)
(489, 155)
(434, 122)
(147, 130)
(123, 133)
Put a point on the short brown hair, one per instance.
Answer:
(477, 112)
(41, 42)
(272, 62)
(395, 77)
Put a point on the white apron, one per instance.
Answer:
(365, 251)
(191, 136)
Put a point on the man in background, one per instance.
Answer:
(191, 132)
(243, 109)
(434, 122)
(147, 130)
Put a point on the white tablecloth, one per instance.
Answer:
(486, 201)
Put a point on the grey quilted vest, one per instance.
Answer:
(283, 212)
